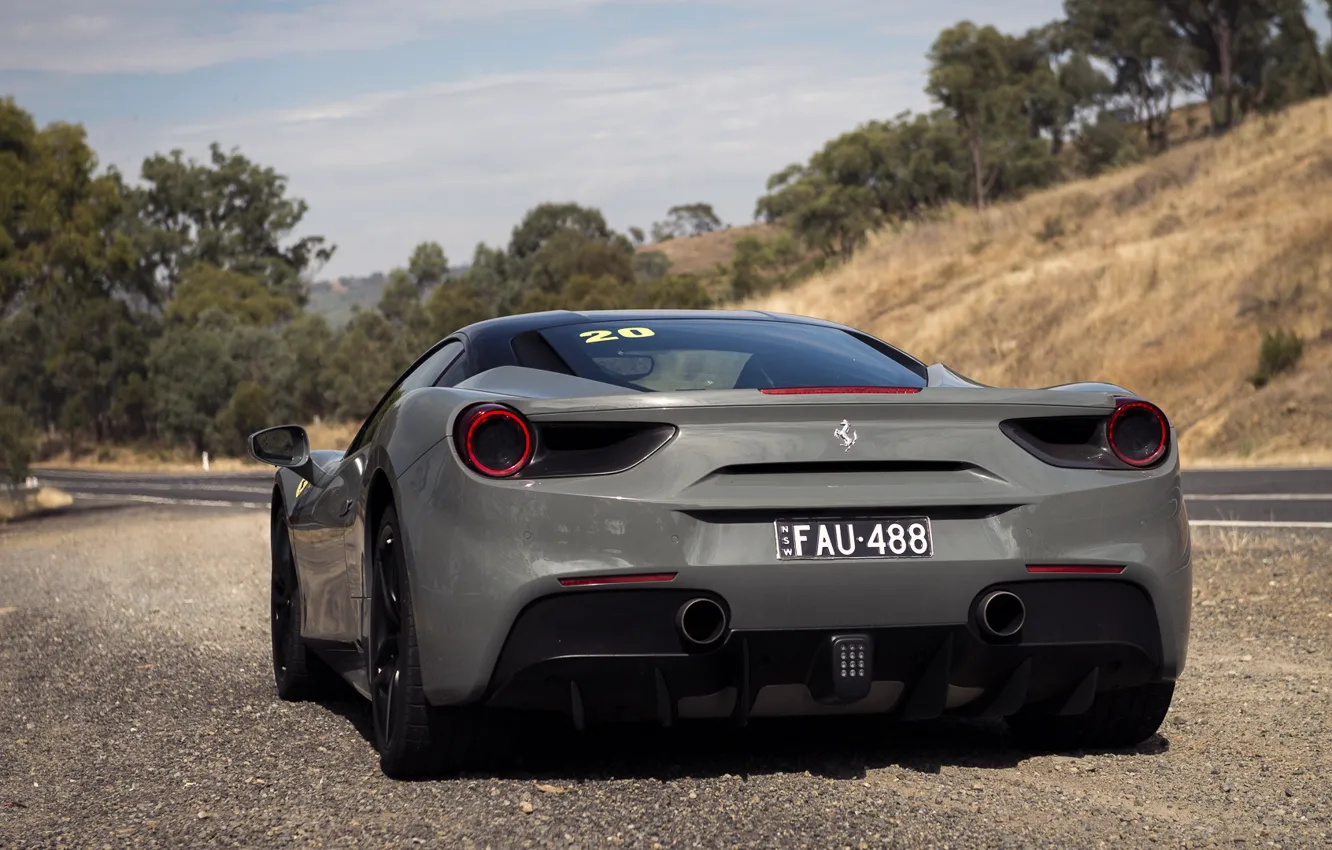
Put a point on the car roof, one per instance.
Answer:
(522, 322)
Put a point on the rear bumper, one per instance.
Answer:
(614, 655)
(482, 558)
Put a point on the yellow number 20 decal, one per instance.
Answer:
(624, 333)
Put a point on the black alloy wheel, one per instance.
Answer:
(298, 674)
(386, 681)
(415, 739)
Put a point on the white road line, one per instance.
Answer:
(1247, 523)
(1258, 497)
(214, 486)
(161, 500)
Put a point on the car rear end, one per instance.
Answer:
(788, 550)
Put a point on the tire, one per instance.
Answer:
(298, 674)
(1116, 719)
(415, 739)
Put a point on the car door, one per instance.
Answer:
(424, 373)
(318, 521)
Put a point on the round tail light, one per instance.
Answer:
(1138, 433)
(495, 440)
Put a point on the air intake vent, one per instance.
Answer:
(568, 449)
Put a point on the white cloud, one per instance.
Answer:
(640, 47)
(644, 124)
(461, 162)
(105, 36)
(166, 36)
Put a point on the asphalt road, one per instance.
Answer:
(1232, 497)
(211, 489)
(137, 709)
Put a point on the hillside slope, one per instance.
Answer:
(1160, 278)
(702, 254)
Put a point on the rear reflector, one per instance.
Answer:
(1113, 571)
(593, 580)
(838, 390)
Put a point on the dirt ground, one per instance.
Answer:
(137, 709)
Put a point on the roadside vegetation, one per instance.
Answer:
(1201, 279)
(169, 315)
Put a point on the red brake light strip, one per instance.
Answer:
(839, 390)
(589, 581)
(1039, 568)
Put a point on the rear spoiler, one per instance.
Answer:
(942, 376)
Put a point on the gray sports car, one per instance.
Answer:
(668, 515)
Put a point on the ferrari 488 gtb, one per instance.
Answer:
(667, 515)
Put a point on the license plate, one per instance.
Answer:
(833, 540)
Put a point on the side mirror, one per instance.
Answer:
(286, 446)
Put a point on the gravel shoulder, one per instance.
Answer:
(137, 709)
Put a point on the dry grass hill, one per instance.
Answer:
(1161, 278)
(701, 254)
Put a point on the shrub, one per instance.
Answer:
(1104, 145)
(247, 412)
(1053, 229)
(1166, 225)
(1280, 351)
(651, 265)
(17, 445)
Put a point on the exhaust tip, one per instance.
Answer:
(1000, 614)
(701, 621)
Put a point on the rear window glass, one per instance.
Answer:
(723, 354)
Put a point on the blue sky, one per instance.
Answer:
(405, 120)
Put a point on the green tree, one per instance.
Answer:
(454, 307)
(193, 377)
(195, 372)
(400, 301)
(746, 267)
(58, 237)
(247, 411)
(204, 286)
(1104, 144)
(650, 265)
(369, 355)
(97, 348)
(553, 244)
(585, 292)
(488, 276)
(428, 265)
(970, 75)
(18, 445)
(300, 380)
(880, 173)
(1058, 81)
(677, 292)
(1220, 31)
(1149, 63)
(686, 220)
(549, 220)
(231, 213)
(1280, 65)
(27, 341)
